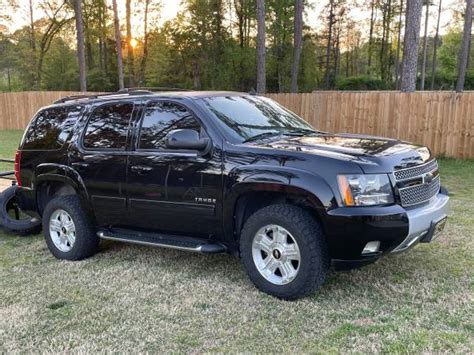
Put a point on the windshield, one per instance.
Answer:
(244, 118)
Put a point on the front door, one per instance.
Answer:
(100, 158)
(174, 191)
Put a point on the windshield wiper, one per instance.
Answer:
(298, 131)
(301, 131)
(261, 136)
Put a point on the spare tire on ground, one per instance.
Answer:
(13, 219)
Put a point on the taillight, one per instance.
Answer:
(17, 167)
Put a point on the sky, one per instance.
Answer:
(171, 7)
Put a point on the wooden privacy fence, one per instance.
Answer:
(17, 108)
(442, 121)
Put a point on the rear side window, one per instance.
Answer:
(159, 119)
(108, 127)
(51, 127)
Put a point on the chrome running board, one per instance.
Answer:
(163, 241)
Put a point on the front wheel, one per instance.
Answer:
(284, 252)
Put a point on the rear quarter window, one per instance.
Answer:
(50, 128)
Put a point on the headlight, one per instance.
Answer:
(365, 190)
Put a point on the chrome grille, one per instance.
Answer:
(416, 171)
(416, 194)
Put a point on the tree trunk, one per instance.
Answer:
(371, 35)
(32, 28)
(464, 53)
(337, 53)
(102, 41)
(329, 42)
(89, 54)
(397, 60)
(298, 40)
(33, 43)
(261, 79)
(239, 10)
(80, 45)
(145, 44)
(118, 45)
(9, 80)
(425, 40)
(131, 74)
(385, 45)
(435, 49)
(54, 26)
(411, 45)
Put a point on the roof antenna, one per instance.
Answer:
(252, 92)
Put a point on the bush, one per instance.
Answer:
(362, 82)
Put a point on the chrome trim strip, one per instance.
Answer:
(436, 169)
(408, 242)
(418, 166)
(102, 235)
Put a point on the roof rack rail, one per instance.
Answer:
(78, 97)
(156, 88)
(125, 91)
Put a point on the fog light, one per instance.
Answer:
(371, 247)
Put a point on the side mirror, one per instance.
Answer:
(186, 139)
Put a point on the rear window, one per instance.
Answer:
(108, 127)
(51, 127)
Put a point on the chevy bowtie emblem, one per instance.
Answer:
(427, 178)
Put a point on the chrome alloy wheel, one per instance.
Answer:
(62, 230)
(276, 254)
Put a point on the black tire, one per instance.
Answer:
(86, 241)
(12, 219)
(307, 233)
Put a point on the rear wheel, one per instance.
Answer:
(67, 229)
(284, 251)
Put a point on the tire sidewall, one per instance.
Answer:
(304, 272)
(22, 227)
(83, 229)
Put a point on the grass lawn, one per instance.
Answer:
(133, 298)
(9, 141)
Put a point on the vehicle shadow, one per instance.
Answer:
(379, 279)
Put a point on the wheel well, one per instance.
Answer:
(250, 202)
(50, 189)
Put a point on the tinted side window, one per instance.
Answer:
(108, 127)
(159, 119)
(51, 127)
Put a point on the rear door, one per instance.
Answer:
(176, 191)
(100, 158)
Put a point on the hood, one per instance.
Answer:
(373, 154)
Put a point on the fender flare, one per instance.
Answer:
(60, 173)
(251, 178)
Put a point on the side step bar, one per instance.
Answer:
(163, 240)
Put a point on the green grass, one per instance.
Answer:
(132, 298)
(9, 141)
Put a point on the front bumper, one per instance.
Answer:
(422, 222)
(349, 229)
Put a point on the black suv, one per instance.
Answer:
(215, 172)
